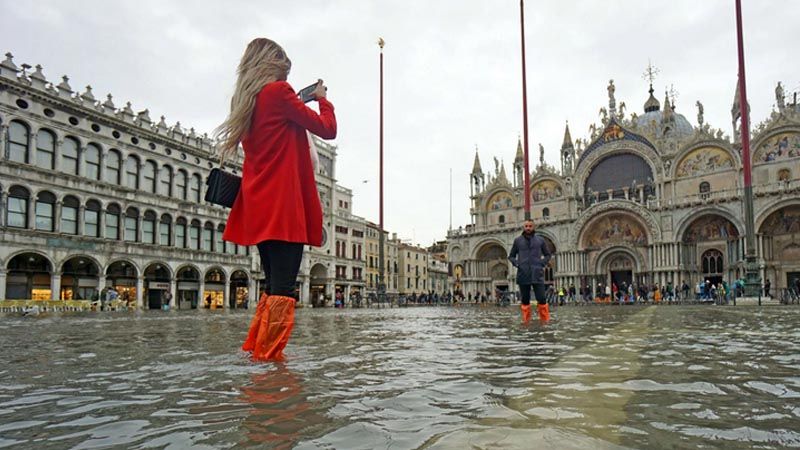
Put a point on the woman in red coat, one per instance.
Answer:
(278, 207)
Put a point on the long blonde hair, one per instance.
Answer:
(264, 61)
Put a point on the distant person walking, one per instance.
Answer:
(278, 207)
(529, 254)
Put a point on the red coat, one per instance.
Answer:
(278, 199)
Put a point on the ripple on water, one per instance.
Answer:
(405, 378)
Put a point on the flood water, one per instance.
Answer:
(438, 377)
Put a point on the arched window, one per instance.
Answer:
(18, 140)
(219, 244)
(194, 235)
(149, 176)
(180, 233)
(165, 229)
(705, 188)
(180, 184)
(92, 162)
(165, 181)
(131, 224)
(545, 213)
(194, 188)
(501, 219)
(784, 175)
(712, 263)
(112, 221)
(208, 236)
(45, 207)
(132, 172)
(69, 215)
(111, 174)
(69, 156)
(91, 219)
(17, 214)
(149, 228)
(45, 149)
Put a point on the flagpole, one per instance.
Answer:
(382, 239)
(526, 175)
(752, 279)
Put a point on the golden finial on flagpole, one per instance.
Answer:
(381, 43)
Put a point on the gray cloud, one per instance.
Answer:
(452, 73)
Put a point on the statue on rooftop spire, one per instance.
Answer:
(779, 97)
(700, 119)
(541, 155)
(612, 102)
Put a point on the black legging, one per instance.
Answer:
(538, 291)
(281, 262)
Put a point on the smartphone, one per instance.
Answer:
(307, 93)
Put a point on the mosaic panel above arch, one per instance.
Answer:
(544, 190)
(710, 228)
(704, 160)
(779, 147)
(614, 229)
(500, 200)
(783, 221)
(491, 251)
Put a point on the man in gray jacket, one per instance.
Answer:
(529, 254)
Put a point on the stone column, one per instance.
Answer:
(57, 155)
(2, 283)
(139, 222)
(305, 294)
(57, 215)
(173, 290)
(80, 222)
(3, 207)
(347, 294)
(32, 211)
(252, 292)
(201, 302)
(140, 292)
(226, 294)
(3, 146)
(81, 162)
(55, 286)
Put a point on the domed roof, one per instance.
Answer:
(662, 121)
(681, 126)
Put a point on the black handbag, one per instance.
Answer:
(223, 187)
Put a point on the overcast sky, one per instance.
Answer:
(452, 73)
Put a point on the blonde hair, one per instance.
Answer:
(263, 61)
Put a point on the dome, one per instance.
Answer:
(681, 126)
(664, 120)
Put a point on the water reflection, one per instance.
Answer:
(598, 377)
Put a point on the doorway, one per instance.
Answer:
(622, 278)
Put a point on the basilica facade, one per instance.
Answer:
(647, 198)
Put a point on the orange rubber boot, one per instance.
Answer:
(544, 312)
(526, 313)
(275, 329)
(261, 309)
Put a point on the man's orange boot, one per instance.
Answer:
(526, 313)
(544, 312)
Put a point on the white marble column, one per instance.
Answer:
(2, 284)
(201, 303)
(226, 295)
(305, 295)
(140, 292)
(252, 292)
(55, 286)
(173, 290)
